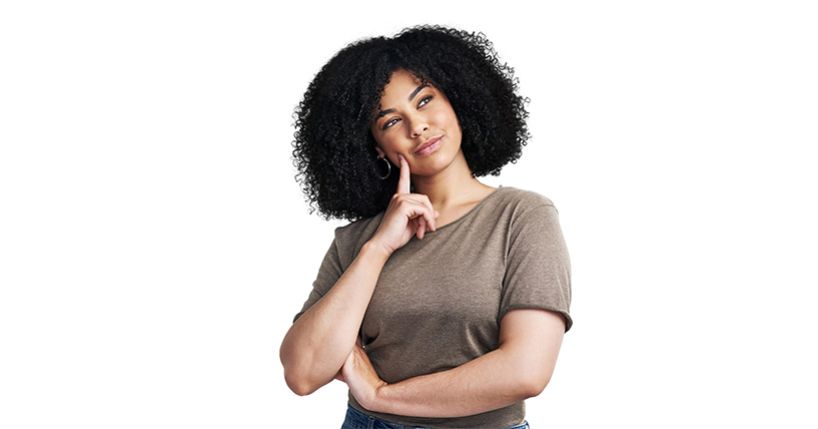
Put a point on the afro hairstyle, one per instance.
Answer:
(334, 149)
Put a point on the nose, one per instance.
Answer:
(419, 125)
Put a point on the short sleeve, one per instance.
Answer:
(538, 267)
(328, 273)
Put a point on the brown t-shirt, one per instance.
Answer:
(439, 301)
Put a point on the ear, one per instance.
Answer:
(381, 154)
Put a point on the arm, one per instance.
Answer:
(317, 344)
(520, 368)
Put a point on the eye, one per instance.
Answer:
(430, 97)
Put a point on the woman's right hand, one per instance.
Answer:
(408, 214)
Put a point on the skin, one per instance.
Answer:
(444, 175)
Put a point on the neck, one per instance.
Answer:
(450, 187)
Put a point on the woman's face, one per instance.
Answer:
(410, 115)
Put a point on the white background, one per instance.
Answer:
(154, 244)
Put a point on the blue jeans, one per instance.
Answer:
(358, 420)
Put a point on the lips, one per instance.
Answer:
(428, 143)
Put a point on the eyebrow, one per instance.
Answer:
(411, 96)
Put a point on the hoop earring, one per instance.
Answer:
(389, 168)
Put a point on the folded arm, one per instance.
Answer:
(520, 368)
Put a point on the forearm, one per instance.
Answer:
(492, 381)
(315, 347)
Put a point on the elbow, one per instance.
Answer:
(536, 389)
(534, 386)
(299, 388)
(297, 376)
(294, 380)
(534, 377)
(298, 385)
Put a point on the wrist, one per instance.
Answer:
(378, 248)
(378, 401)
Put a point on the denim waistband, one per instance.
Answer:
(355, 419)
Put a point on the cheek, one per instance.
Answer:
(446, 113)
(389, 144)
(442, 116)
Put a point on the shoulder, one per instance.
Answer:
(522, 200)
(359, 227)
(350, 237)
(525, 212)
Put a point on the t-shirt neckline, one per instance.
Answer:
(468, 213)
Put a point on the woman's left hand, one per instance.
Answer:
(359, 374)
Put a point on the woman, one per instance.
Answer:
(444, 301)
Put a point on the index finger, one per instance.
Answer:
(405, 178)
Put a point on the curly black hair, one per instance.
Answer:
(334, 149)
